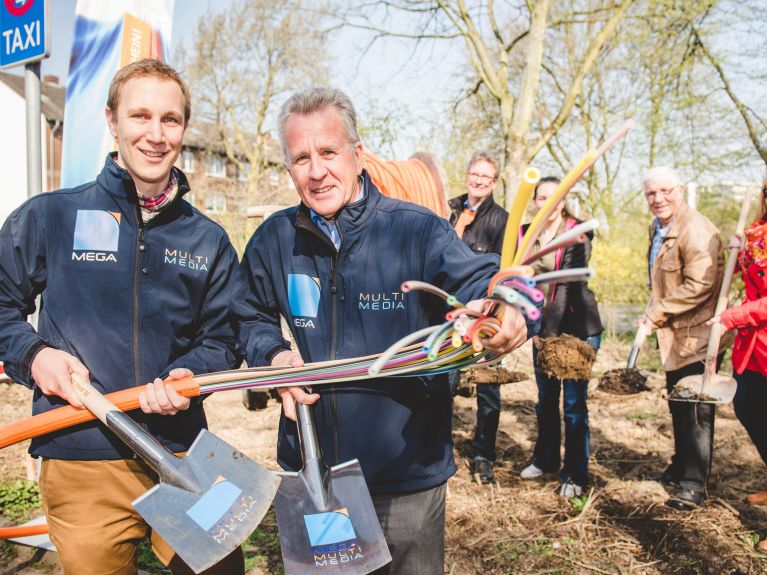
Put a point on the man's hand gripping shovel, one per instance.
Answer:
(207, 503)
(326, 519)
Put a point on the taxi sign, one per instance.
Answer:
(23, 32)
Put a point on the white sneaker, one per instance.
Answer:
(531, 472)
(570, 489)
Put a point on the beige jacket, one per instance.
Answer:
(686, 280)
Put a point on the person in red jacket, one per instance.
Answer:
(749, 353)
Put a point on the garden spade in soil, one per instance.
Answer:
(712, 387)
(629, 380)
(207, 502)
(326, 520)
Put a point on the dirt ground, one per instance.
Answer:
(523, 526)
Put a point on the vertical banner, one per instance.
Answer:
(108, 35)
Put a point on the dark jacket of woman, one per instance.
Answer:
(485, 234)
(571, 307)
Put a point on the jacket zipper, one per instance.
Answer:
(333, 343)
(141, 247)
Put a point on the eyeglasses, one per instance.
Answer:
(485, 179)
(661, 192)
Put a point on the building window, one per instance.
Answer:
(215, 204)
(188, 161)
(244, 172)
(215, 167)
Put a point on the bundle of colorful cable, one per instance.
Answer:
(452, 345)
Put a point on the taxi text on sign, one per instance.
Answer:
(23, 31)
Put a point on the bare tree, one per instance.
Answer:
(243, 62)
(503, 43)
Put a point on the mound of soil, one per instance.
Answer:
(623, 381)
(566, 357)
(497, 375)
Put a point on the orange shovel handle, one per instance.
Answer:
(23, 531)
(55, 419)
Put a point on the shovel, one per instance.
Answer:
(712, 387)
(630, 380)
(325, 517)
(207, 502)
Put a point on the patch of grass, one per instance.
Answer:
(262, 548)
(147, 560)
(639, 416)
(539, 547)
(579, 502)
(18, 499)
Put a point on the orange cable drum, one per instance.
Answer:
(419, 180)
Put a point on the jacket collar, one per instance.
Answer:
(350, 218)
(457, 204)
(118, 182)
(676, 224)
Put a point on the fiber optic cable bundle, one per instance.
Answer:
(454, 344)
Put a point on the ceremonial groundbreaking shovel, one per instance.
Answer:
(207, 502)
(325, 517)
(712, 387)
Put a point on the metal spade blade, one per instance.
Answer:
(207, 502)
(326, 519)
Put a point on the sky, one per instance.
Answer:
(389, 74)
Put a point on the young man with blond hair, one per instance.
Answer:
(118, 306)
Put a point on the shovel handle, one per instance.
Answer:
(307, 430)
(67, 416)
(721, 304)
(96, 403)
(639, 338)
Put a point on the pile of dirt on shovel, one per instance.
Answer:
(566, 357)
(623, 381)
(497, 375)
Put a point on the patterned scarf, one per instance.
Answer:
(152, 206)
(467, 216)
(755, 251)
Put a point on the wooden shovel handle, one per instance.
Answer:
(55, 419)
(721, 304)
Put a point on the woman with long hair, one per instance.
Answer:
(570, 308)
(749, 353)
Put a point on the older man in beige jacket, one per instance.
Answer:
(686, 266)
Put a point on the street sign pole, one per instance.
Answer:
(32, 92)
(24, 39)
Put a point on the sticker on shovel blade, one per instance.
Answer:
(221, 509)
(332, 538)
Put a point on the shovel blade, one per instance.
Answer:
(719, 389)
(203, 528)
(344, 537)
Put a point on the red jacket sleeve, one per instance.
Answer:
(749, 314)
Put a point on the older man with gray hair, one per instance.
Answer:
(333, 267)
(686, 267)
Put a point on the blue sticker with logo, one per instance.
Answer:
(214, 503)
(328, 528)
(303, 295)
(97, 230)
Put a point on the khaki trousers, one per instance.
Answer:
(93, 524)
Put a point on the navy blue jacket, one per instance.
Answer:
(131, 301)
(349, 304)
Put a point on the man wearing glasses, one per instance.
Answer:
(480, 222)
(686, 267)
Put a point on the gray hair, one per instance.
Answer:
(318, 99)
(483, 156)
(662, 174)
